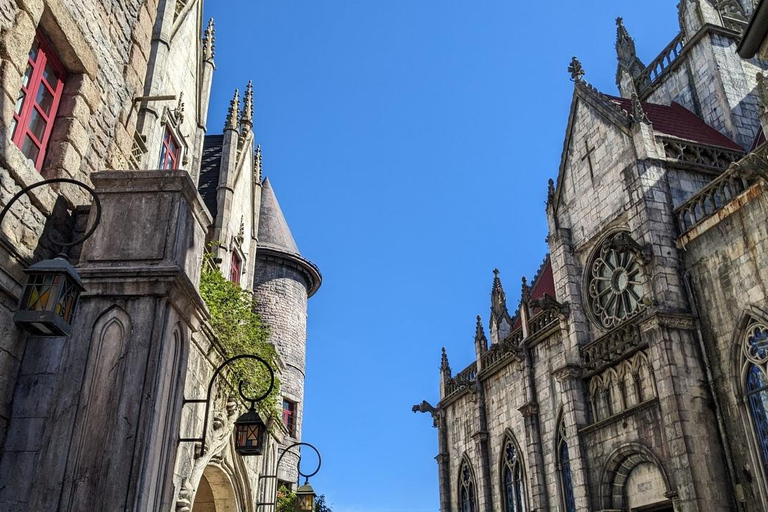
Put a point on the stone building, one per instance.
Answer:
(115, 95)
(632, 376)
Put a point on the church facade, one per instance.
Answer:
(632, 376)
(116, 96)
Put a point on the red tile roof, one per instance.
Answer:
(677, 121)
(543, 284)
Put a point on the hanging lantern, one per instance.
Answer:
(49, 300)
(305, 498)
(250, 433)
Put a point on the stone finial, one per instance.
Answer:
(625, 45)
(638, 114)
(444, 366)
(576, 70)
(257, 164)
(246, 117)
(525, 293)
(480, 332)
(550, 191)
(232, 113)
(762, 93)
(209, 40)
(178, 112)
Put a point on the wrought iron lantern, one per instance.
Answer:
(250, 430)
(305, 497)
(250, 433)
(50, 296)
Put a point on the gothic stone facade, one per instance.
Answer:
(633, 375)
(107, 93)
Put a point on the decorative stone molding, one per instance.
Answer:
(687, 154)
(567, 372)
(529, 409)
(669, 320)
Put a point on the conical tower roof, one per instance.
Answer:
(274, 232)
(275, 239)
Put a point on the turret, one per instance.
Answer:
(283, 281)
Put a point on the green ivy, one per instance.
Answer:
(240, 330)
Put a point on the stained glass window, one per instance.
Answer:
(466, 490)
(566, 481)
(513, 485)
(757, 394)
(615, 282)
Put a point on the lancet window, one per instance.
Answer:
(755, 366)
(467, 496)
(513, 483)
(564, 465)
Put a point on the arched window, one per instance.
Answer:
(512, 479)
(564, 463)
(755, 352)
(466, 489)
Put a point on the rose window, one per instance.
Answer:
(615, 282)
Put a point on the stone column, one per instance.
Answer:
(107, 424)
(481, 438)
(569, 377)
(536, 475)
(443, 462)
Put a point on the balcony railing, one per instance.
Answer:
(610, 348)
(660, 64)
(702, 205)
(710, 157)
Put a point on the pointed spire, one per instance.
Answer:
(257, 164)
(209, 40)
(444, 366)
(629, 63)
(232, 113)
(480, 333)
(576, 70)
(274, 232)
(246, 117)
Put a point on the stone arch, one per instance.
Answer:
(617, 470)
(215, 492)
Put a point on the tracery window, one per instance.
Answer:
(466, 489)
(755, 356)
(564, 464)
(615, 281)
(512, 479)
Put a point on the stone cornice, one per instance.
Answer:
(529, 409)
(657, 319)
(567, 372)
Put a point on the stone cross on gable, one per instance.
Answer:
(588, 158)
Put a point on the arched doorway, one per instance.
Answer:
(215, 492)
(634, 481)
(645, 489)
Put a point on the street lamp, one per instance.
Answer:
(305, 497)
(52, 288)
(250, 430)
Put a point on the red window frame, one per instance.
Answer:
(32, 124)
(235, 268)
(289, 416)
(170, 150)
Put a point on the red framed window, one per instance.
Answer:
(235, 268)
(169, 151)
(289, 416)
(38, 101)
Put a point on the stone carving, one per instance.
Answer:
(576, 70)
(550, 191)
(186, 495)
(638, 114)
(733, 15)
(177, 114)
(233, 112)
(611, 348)
(246, 116)
(257, 165)
(621, 387)
(626, 53)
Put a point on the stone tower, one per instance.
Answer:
(283, 282)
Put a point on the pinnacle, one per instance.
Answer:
(247, 115)
(232, 113)
(209, 40)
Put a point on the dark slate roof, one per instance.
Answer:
(543, 284)
(759, 139)
(210, 168)
(677, 121)
(274, 232)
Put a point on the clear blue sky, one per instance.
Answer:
(409, 143)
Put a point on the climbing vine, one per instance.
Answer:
(240, 330)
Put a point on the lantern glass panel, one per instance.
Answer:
(305, 503)
(250, 438)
